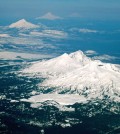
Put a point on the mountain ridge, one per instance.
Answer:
(76, 73)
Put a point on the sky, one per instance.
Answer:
(96, 9)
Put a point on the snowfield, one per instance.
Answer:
(62, 99)
(75, 73)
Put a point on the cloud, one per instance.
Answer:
(25, 42)
(90, 52)
(8, 55)
(105, 57)
(4, 35)
(50, 34)
(49, 16)
(21, 40)
(83, 30)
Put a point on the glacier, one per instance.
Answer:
(75, 73)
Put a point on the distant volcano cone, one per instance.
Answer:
(23, 24)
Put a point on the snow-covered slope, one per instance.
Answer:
(23, 24)
(77, 74)
(60, 65)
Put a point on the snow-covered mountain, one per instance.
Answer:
(75, 73)
(49, 16)
(23, 24)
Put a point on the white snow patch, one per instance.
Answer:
(2, 97)
(64, 125)
(62, 99)
(12, 101)
(34, 92)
